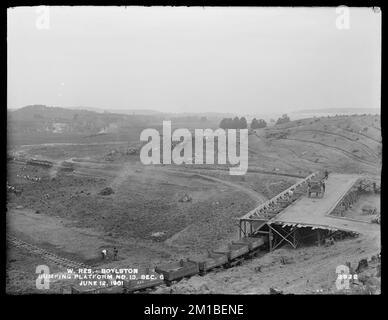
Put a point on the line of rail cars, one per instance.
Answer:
(223, 257)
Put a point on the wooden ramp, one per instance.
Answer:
(315, 212)
(291, 215)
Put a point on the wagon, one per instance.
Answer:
(234, 251)
(211, 261)
(153, 280)
(316, 187)
(177, 270)
(252, 242)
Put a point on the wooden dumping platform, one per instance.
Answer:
(177, 270)
(254, 220)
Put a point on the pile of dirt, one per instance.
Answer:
(185, 198)
(368, 210)
(106, 191)
(368, 279)
(194, 285)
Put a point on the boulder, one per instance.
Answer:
(106, 191)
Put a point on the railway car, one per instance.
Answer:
(254, 243)
(178, 270)
(211, 261)
(234, 251)
(131, 286)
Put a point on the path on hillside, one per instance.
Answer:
(251, 193)
(343, 152)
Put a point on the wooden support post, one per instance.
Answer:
(270, 236)
(239, 229)
(294, 240)
(319, 237)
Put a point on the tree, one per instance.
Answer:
(236, 123)
(254, 124)
(243, 123)
(257, 124)
(283, 119)
(229, 123)
(262, 123)
(223, 123)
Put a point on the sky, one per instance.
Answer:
(248, 60)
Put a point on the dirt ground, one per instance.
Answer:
(146, 219)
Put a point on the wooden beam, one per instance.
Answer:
(262, 232)
(284, 238)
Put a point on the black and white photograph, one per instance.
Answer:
(177, 150)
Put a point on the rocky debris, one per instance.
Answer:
(368, 210)
(158, 235)
(366, 278)
(375, 219)
(329, 242)
(378, 270)
(375, 258)
(112, 152)
(186, 198)
(258, 269)
(362, 265)
(133, 151)
(106, 191)
(275, 291)
(161, 290)
(194, 285)
(27, 177)
(285, 260)
(13, 189)
(115, 153)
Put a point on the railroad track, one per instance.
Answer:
(49, 256)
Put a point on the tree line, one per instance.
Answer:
(241, 123)
(236, 123)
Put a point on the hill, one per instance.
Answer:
(339, 111)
